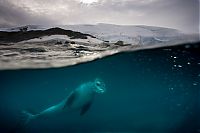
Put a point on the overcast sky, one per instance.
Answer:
(178, 14)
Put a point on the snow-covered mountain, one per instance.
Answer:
(131, 34)
(58, 35)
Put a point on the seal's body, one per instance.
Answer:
(79, 99)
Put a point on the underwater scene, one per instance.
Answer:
(153, 90)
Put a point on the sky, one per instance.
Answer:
(178, 14)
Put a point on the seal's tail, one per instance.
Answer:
(26, 117)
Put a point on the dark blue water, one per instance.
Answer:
(154, 91)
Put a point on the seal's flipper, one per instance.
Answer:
(70, 100)
(85, 108)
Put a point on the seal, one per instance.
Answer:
(80, 98)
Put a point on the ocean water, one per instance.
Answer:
(156, 90)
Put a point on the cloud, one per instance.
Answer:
(12, 15)
(179, 14)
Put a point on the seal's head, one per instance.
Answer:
(100, 86)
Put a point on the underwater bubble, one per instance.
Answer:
(180, 66)
(195, 84)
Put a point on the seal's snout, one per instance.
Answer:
(99, 86)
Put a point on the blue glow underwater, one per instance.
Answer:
(155, 90)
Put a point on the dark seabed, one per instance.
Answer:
(155, 91)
